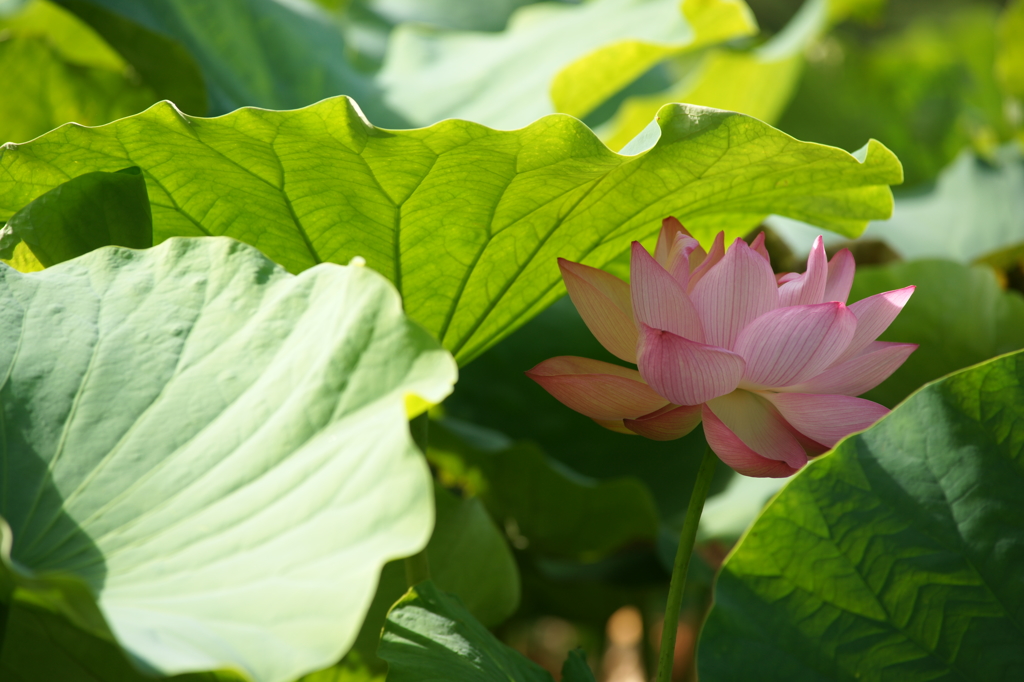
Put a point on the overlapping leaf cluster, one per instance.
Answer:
(207, 473)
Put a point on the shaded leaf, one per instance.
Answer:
(552, 510)
(162, 63)
(897, 556)
(321, 184)
(470, 557)
(93, 210)
(959, 315)
(266, 53)
(45, 646)
(576, 668)
(207, 521)
(430, 636)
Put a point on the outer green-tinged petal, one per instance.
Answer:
(321, 184)
(758, 426)
(737, 454)
(214, 450)
(668, 423)
(733, 293)
(826, 419)
(597, 389)
(603, 301)
(683, 371)
(790, 345)
(897, 556)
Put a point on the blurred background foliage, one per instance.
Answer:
(556, 532)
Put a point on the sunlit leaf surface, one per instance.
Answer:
(206, 458)
(466, 221)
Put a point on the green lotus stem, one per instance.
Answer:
(417, 566)
(666, 656)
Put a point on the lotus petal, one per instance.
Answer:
(860, 373)
(827, 418)
(874, 315)
(734, 452)
(701, 262)
(603, 302)
(659, 301)
(615, 425)
(759, 248)
(600, 390)
(790, 345)
(668, 423)
(733, 293)
(683, 371)
(759, 426)
(808, 288)
(840, 276)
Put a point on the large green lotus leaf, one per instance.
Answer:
(207, 458)
(958, 314)
(553, 511)
(54, 68)
(896, 557)
(465, 220)
(495, 393)
(504, 79)
(429, 636)
(83, 214)
(976, 208)
(266, 53)
(758, 81)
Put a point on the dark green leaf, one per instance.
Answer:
(549, 509)
(266, 53)
(93, 210)
(896, 557)
(429, 636)
(162, 63)
(576, 669)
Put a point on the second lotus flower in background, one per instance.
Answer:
(769, 363)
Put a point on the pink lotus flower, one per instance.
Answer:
(769, 363)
